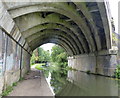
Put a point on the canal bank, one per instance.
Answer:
(79, 84)
(34, 84)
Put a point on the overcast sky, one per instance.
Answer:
(114, 12)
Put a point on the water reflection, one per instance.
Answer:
(57, 78)
(94, 85)
(83, 84)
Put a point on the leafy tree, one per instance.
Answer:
(59, 57)
(59, 61)
(32, 61)
(56, 52)
(40, 55)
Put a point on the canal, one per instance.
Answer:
(77, 83)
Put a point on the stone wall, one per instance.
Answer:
(1, 63)
(25, 62)
(102, 64)
(14, 61)
(118, 58)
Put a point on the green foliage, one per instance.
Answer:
(32, 61)
(114, 38)
(58, 67)
(56, 51)
(14, 84)
(88, 71)
(59, 58)
(117, 72)
(40, 66)
(7, 91)
(71, 69)
(58, 54)
(21, 79)
(42, 56)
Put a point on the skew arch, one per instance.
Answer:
(39, 24)
(74, 16)
(53, 39)
(50, 32)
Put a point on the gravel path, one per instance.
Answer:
(34, 84)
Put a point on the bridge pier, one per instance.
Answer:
(97, 64)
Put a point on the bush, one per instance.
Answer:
(117, 72)
(40, 66)
(88, 71)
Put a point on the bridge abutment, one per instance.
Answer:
(1, 63)
(97, 64)
(14, 60)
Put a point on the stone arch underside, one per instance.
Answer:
(75, 23)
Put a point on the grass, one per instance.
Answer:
(7, 91)
(10, 88)
(40, 66)
(21, 79)
(14, 84)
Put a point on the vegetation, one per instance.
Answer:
(33, 58)
(14, 84)
(117, 72)
(43, 55)
(7, 91)
(59, 67)
(40, 55)
(22, 78)
(40, 66)
(59, 59)
(10, 88)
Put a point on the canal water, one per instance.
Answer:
(77, 83)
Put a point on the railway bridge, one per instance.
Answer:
(84, 29)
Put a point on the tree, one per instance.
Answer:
(43, 55)
(56, 51)
(59, 57)
(40, 55)
(59, 74)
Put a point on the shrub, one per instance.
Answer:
(88, 71)
(117, 72)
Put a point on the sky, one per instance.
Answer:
(114, 13)
(47, 46)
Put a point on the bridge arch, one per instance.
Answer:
(83, 29)
(59, 9)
